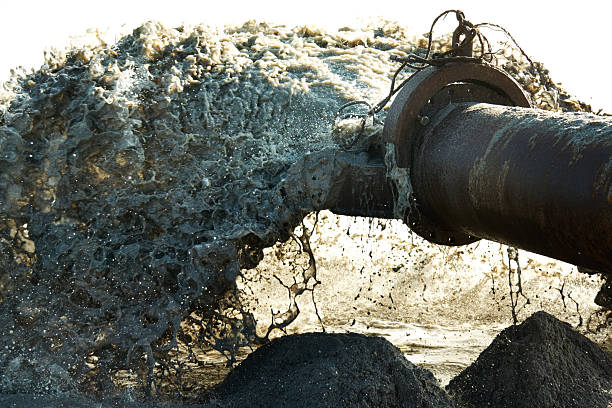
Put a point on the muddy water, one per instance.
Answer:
(440, 305)
(141, 180)
(445, 351)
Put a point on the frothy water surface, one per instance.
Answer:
(153, 201)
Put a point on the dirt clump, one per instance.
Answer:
(330, 370)
(542, 362)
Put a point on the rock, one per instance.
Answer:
(330, 370)
(540, 363)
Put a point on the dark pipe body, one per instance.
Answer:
(359, 186)
(534, 179)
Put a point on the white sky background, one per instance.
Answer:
(572, 38)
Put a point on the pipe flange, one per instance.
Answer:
(426, 93)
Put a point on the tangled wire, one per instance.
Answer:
(461, 51)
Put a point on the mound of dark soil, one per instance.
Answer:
(540, 363)
(330, 370)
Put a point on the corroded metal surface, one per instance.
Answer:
(534, 179)
(359, 186)
(529, 178)
(429, 91)
(425, 84)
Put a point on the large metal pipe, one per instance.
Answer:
(359, 186)
(534, 179)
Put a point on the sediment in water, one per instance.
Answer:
(137, 179)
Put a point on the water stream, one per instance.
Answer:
(153, 195)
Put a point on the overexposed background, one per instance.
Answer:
(571, 38)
